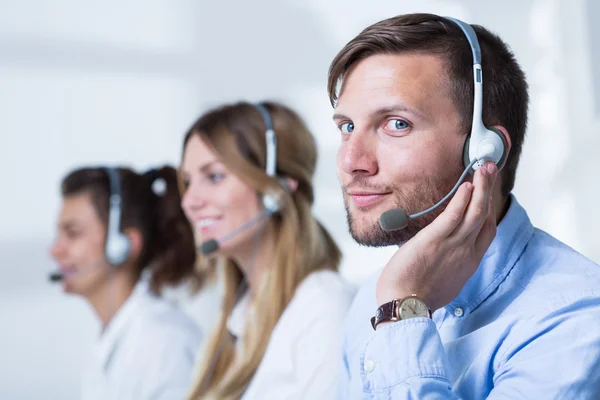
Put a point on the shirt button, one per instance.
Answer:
(369, 365)
(459, 312)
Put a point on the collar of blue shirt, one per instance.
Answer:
(512, 235)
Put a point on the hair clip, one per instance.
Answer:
(159, 186)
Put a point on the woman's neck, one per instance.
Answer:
(110, 296)
(255, 256)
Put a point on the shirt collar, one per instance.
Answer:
(512, 235)
(109, 338)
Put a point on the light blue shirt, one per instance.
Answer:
(525, 326)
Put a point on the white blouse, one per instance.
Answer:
(302, 358)
(146, 352)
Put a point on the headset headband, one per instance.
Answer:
(271, 140)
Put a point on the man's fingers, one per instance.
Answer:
(452, 216)
(486, 235)
(478, 208)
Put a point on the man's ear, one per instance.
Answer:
(506, 139)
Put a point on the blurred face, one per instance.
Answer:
(79, 246)
(401, 142)
(215, 200)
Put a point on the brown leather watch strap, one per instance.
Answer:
(386, 312)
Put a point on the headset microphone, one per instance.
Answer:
(483, 144)
(397, 218)
(58, 276)
(212, 245)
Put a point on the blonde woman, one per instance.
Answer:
(247, 180)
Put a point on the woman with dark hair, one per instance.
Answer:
(123, 237)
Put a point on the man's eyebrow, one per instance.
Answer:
(385, 110)
(398, 107)
(337, 117)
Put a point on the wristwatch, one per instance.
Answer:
(400, 309)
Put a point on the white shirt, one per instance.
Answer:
(146, 352)
(301, 360)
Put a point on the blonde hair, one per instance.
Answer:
(302, 245)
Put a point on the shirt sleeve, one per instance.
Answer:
(406, 359)
(556, 356)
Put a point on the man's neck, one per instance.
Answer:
(501, 205)
(110, 297)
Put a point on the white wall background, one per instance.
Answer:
(120, 82)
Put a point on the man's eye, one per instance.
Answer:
(347, 127)
(396, 124)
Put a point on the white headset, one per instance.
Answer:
(271, 200)
(117, 246)
(483, 143)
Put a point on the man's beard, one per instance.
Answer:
(427, 194)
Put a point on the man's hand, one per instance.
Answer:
(440, 259)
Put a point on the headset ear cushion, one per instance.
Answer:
(271, 201)
(504, 147)
(467, 160)
(117, 249)
(273, 198)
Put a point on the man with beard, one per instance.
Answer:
(476, 302)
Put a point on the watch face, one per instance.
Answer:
(413, 308)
